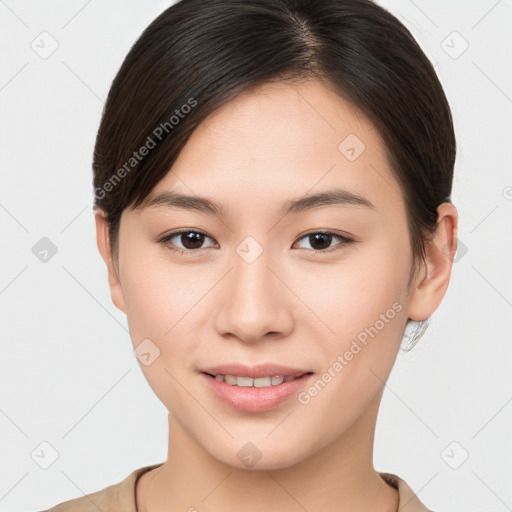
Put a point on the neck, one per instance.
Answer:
(339, 477)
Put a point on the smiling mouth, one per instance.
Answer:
(257, 382)
(255, 389)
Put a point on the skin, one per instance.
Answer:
(291, 306)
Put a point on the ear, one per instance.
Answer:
(434, 275)
(103, 241)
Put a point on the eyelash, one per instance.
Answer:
(189, 252)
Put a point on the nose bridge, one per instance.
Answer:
(253, 303)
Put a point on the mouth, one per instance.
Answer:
(256, 388)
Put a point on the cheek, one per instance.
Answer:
(158, 294)
(363, 304)
(166, 303)
(162, 304)
(355, 291)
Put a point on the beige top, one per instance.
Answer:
(121, 497)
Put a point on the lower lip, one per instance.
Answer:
(251, 399)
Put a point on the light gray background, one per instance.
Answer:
(68, 376)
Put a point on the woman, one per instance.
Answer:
(272, 199)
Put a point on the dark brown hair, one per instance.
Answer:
(199, 54)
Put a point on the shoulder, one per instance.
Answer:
(102, 500)
(119, 497)
(407, 498)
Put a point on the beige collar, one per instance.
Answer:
(407, 502)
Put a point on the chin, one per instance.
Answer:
(261, 455)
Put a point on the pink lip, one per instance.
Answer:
(252, 399)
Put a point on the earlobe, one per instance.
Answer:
(104, 246)
(433, 279)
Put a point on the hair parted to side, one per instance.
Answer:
(199, 54)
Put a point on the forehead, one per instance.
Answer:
(282, 140)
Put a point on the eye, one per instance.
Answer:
(191, 241)
(320, 241)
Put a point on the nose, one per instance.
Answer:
(254, 303)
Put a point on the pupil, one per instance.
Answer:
(318, 237)
(192, 240)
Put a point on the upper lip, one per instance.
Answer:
(261, 370)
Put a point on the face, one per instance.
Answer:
(315, 290)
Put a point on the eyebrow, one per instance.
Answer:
(334, 197)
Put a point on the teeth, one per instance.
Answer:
(259, 382)
(245, 382)
(262, 382)
(228, 379)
